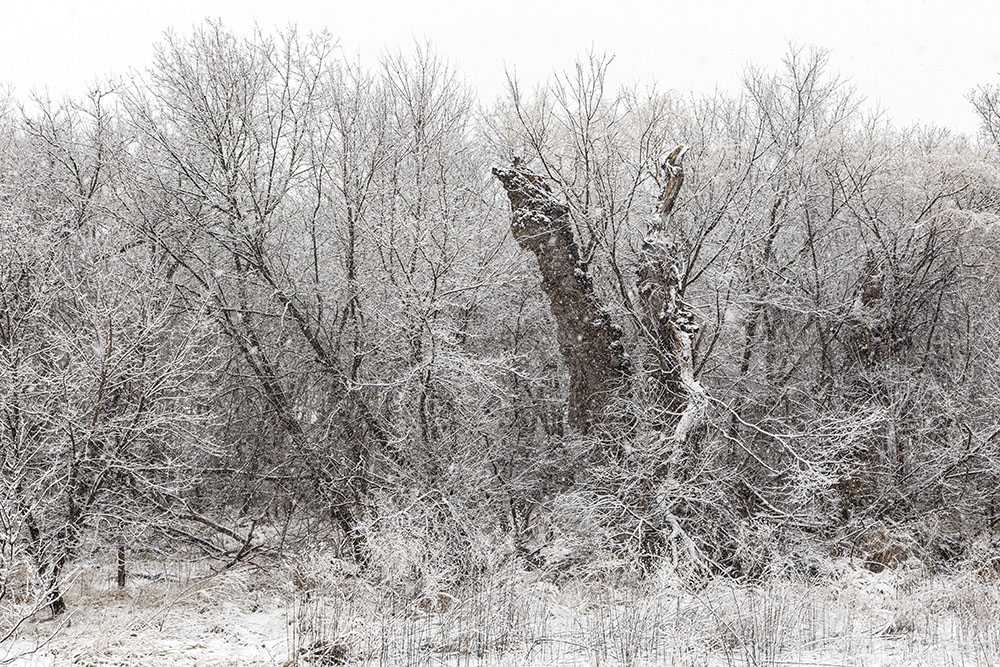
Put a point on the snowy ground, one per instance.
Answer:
(309, 610)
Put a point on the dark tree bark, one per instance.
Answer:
(50, 561)
(870, 339)
(120, 562)
(590, 342)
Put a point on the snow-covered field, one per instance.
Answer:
(311, 610)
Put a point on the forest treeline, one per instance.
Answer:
(260, 292)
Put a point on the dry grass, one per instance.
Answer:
(311, 609)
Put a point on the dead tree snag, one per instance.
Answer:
(590, 342)
(667, 319)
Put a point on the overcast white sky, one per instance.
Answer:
(916, 58)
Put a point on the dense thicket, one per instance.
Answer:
(260, 292)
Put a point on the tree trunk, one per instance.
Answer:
(121, 570)
(666, 318)
(590, 342)
(50, 560)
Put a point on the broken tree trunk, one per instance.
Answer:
(666, 318)
(590, 342)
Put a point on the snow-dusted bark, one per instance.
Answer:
(667, 319)
(590, 342)
(868, 313)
